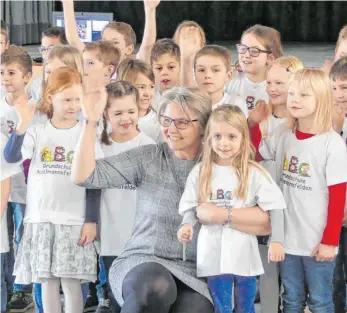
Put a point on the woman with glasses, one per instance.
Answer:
(150, 274)
(260, 46)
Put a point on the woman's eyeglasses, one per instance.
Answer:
(253, 51)
(179, 123)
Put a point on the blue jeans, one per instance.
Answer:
(340, 275)
(15, 217)
(221, 289)
(5, 280)
(102, 279)
(305, 279)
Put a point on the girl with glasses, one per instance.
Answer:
(260, 46)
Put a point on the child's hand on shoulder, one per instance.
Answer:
(338, 117)
(88, 234)
(185, 233)
(258, 114)
(276, 252)
(324, 253)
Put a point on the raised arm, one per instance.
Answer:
(13, 149)
(110, 172)
(71, 26)
(150, 32)
(93, 106)
(189, 42)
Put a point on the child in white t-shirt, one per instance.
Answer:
(16, 71)
(212, 69)
(7, 171)
(260, 46)
(338, 78)
(278, 78)
(118, 205)
(229, 179)
(140, 75)
(120, 34)
(165, 62)
(51, 37)
(311, 167)
(56, 247)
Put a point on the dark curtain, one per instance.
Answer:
(26, 19)
(225, 20)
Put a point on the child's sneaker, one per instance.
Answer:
(91, 304)
(104, 306)
(20, 302)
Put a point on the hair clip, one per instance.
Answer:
(288, 68)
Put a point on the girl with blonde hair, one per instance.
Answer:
(311, 163)
(228, 177)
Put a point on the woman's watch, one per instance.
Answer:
(230, 215)
(94, 123)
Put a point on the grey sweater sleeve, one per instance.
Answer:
(277, 226)
(189, 217)
(121, 169)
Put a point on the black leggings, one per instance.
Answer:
(151, 288)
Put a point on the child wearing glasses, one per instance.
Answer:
(212, 70)
(260, 46)
(51, 37)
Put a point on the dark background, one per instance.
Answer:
(225, 20)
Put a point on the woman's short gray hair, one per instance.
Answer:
(188, 98)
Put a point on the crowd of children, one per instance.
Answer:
(276, 139)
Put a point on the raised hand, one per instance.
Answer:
(259, 113)
(25, 111)
(338, 113)
(95, 97)
(190, 41)
(151, 4)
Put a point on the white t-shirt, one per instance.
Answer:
(35, 91)
(118, 205)
(244, 92)
(344, 130)
(156, 101)
(150, 125)
(304, 170)
(221, 249)
(227, 99)
(273, 124)
(7, 170)
(9, 122)
(52, 197)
